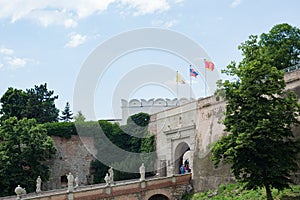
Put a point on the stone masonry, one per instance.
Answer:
(71, 156)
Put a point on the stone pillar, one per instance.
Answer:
(170, 171)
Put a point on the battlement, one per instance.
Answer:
(150, 106)
(154, 102)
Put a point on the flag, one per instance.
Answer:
(193, 72)
(179, 79)
(209, 65)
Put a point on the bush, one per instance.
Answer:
(61, 129)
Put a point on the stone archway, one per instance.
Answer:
(159, 194)
(158, 197)
(180, 150)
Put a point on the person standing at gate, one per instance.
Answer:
(182, 169)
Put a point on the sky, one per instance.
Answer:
(43, 41)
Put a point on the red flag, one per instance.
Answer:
(209, 65)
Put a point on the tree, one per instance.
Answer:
(67, 114)
(139, 119)
(40, 104)
(258, 119)
(281, 45)
(24, 147)
(37, 103)
(132, 137)
(13, 103)
(79, 117)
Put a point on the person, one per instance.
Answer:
(70, 178)
(111, 175)
(38, 184)
(186, 162)
(142, 172)
(187, 168)
(182, 169)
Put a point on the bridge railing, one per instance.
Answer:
(90, 187)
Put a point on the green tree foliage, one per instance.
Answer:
(24, 146)
(140, 119)
(148, 155)
(258, 119)
(40, 104)
(281, 46)
(60, 129)
(37, 103)
(132, 137)
(67, 113)
(79, 117)
(13, 103)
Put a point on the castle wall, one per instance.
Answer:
(205, 175)
(193, 123)
(71, 156)
(174, 126)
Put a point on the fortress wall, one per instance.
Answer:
(71, 156)
(205, 175)
(206, 114)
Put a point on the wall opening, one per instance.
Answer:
(158, 197)
(182, 153)
(64, 181)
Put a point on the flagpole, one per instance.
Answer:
(205, 77)
(177, 86)
(190, 83)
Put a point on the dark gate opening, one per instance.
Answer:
(159, 197)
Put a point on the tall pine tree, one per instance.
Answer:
(66, 113)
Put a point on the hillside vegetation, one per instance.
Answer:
(236, 192)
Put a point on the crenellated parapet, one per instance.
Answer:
(154, 102)
(150, 106)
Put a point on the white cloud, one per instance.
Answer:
(164, 24)
(67, 13)
(6, 51)
(17, 62)
(235, 3)
(75, 40)
(10, 60)
(143, 7)
(70, 23)
(179, 1)
(170, 24)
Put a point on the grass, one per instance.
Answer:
(236, 192)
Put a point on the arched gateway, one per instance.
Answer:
(159, 197)
(181, 149)
(175, 138)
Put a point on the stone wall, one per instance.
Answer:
(71, 156)
(205, 175)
